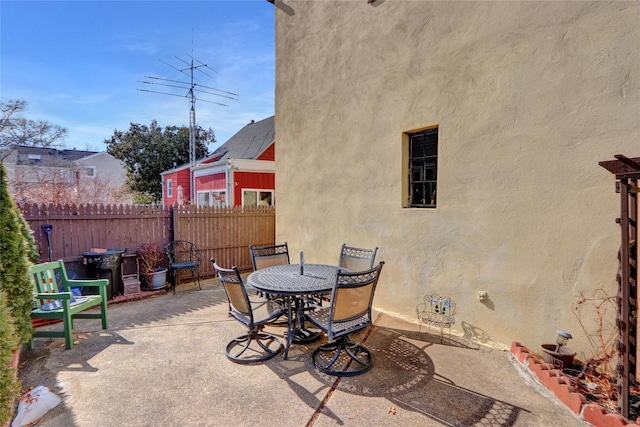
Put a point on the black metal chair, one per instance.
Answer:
(183, 255)
(357, 259)
(254, 313)
(268, 256)
(349, 312)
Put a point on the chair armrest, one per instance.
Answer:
(54, 295)
(89, 282)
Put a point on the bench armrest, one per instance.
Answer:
(54, 295)
(88, 282)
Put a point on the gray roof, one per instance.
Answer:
(249, 142)
(25, 155)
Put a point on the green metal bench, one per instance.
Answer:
(50, 303)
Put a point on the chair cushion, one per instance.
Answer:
(57, 304)
(183, 264)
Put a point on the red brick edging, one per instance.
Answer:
(559, 384)
(141, 295)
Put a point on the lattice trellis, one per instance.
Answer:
(627, 172)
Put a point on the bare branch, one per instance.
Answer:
(15, 129)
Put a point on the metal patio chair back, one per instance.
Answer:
(357, 259)
(349, 312)
(268, 256)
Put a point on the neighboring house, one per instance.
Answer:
(176, 185)
(50, 175)
(239, 172)
(462, 139)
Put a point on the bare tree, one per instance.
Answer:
(68, 185)
(15, 129)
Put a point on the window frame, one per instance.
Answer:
(212, 198)
(427, 172)
(258, 191)
(169, 187)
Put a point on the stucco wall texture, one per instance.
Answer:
(528, 98)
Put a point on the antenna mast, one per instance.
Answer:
(192, 138)
(192, 87)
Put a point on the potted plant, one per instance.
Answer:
(557, 354)
(149, 256)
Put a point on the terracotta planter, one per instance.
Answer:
(561, 359)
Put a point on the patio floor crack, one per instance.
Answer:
(335, 384)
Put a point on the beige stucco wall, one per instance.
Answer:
(528, 97)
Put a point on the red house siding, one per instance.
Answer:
(268, 154)
(216, 181)
(178, 178)
(254, 180)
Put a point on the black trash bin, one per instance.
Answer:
(106, 265)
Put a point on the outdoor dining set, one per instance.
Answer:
(307, 299)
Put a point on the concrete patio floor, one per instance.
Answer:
(162, 363)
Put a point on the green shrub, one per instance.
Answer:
(31, 247)
(16, 249)
(9, 385)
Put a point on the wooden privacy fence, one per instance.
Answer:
(224, 233)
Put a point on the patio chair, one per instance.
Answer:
(269, 256)
(436, 310)
(349, 312)
(357, 259)
(183, 255)
(254, 313)
(352, 259)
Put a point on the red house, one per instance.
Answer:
(240, 172)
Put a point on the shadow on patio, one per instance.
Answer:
(162, 362)
(404, 375)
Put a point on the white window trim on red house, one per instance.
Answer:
(229, 167)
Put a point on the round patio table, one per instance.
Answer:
(286, 281)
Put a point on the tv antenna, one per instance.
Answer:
(191, 88)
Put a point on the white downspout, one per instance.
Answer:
(230, 193)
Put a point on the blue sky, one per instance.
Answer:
(78, 63)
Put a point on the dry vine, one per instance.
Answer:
(597, 378)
